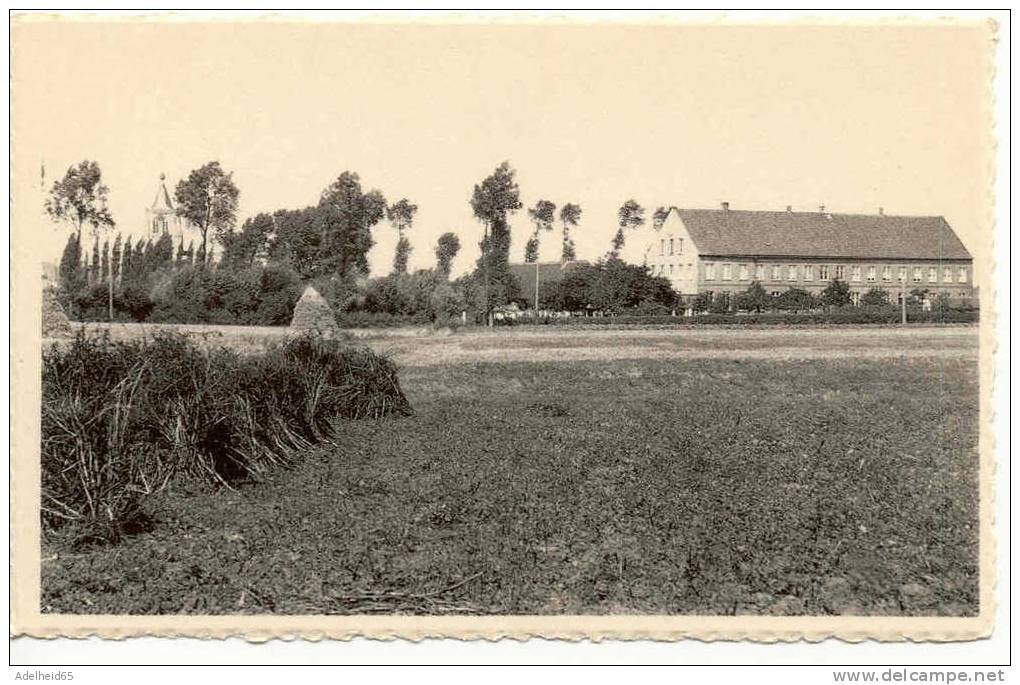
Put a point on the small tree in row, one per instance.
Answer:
(542, 216)
(493, 201)
(570, 216)
(401, 215)
(630, 215)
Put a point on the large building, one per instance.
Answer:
(724, 250)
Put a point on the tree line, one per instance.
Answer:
(264, 264)
(273, 255)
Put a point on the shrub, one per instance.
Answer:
(795, 299)
(279, 290)
(875, 297)
(842, 316)
(702, 302)
(836, 294)
(720, 303)
(120, 419)
(359, 319)
(651, 308)
(753, 299)
(54, 322)
(260, 296)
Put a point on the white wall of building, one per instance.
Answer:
(668, 251)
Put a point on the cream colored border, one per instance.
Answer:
(25, 477)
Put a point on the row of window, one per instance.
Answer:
(672, 269)
(676, 246)
(825, 272)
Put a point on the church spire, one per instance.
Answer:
(161, 216)
(162, 203)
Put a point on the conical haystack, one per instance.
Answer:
(55, 323)
(312, 313)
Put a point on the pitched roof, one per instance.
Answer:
(548, 272)
(733, 232)
(162, 203)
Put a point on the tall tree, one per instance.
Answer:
(179, 259)
(630, 215)
(80, 198)
(447, 248)
(134, 269)
(297, 242)
(401, 215)
(126, 262)
(542, 216)
(347, 217)
(104, 263)
(115, 254)
(207, 200)
(493, 201)
(71, 273)
(160, 255)
(143, 255)
(570, 216)
(94, 265)
(243, 248)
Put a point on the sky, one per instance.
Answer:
(853, 117)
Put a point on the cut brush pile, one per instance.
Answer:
(120, 419)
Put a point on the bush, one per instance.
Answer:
(847, 315)
(611, 286)
(120, 419)
(651, 308)
(257, 296)
(359, 319)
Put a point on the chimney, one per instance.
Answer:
(881, 211)
(789, 208)
(726, 206)
(821, 209)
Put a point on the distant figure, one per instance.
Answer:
(313, 313)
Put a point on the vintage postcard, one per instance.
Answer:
(461, 326)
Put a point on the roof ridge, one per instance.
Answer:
(815, 212)
(828, 234)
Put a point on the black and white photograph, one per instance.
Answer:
(458, 320)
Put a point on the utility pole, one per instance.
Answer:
(485, 260)
(903, 297)
(536, 288)
(109, 275)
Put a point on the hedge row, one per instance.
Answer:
(847, 316)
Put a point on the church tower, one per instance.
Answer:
(161, 218)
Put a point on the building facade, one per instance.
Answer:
(724, 251)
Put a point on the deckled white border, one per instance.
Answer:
(26, 619)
